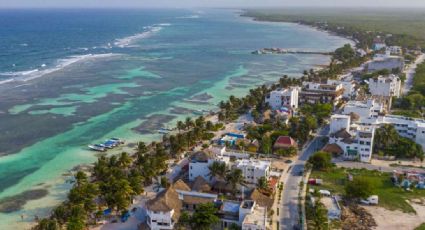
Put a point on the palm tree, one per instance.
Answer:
(124, 160)
(217, 170)
(263, 183)
(235, 177)
(180, 126)
(188, 122)
(141, 147)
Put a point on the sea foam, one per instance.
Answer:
(23, 76)
(149, 31)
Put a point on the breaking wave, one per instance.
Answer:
(23, 76)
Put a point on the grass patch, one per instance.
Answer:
(408, 23)
(421, 227)
(390, 197)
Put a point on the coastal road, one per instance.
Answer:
(410, 73)
(289, 214)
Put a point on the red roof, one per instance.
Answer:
(273, 182)
(285, 141)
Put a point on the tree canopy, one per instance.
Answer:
(321, 160)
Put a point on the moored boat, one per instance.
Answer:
(97, 147)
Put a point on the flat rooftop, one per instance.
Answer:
(255, 163)
(257, 217)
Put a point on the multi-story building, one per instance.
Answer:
(253, 169)
(314, 93)
(199, 164)
(355, 141)
(348, 84)
(357, 144)
(363, 109)
(385, 86)
(246, 214)
(283, 98)
(411, 128)
(395, 50)
(163, 212)
(340, 122)
(386, 61)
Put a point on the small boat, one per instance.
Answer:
(117, 140)
(163, 131)
(110, 143)
(198, 112)
(97, 147)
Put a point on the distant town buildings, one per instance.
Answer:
(384, 61)
(395, 50)
(378, 44)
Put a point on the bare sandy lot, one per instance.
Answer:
(396, 220)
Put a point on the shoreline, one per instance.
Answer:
(245, 14)
(195, 116)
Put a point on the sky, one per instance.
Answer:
(208, 3)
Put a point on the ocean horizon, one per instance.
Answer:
(69, 78)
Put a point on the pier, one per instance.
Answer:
(288, 51)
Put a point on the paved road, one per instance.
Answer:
(289, 216)
(410, 72)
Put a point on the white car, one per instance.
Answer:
(325, 192)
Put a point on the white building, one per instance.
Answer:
(284, 97)
(386, 86)
(357, 144)
(256, 220)
(394, 50)
(369, 108)
(253, 169)
(163, 212)
(385, 61)
(340, 122)
(199, 164)
(413, 129)
(313, 93)
(348, 84)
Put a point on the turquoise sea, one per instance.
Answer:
(69, 78)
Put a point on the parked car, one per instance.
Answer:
(288, 161)
(325, 192)
(372, 200)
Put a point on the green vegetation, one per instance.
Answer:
(407, 27)
(321, 161)
(390, 197)
(420, 227)
(317, 215)
(359, 188)
(204, 217)
(413, 103)
(389, 143)
(116, 180)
